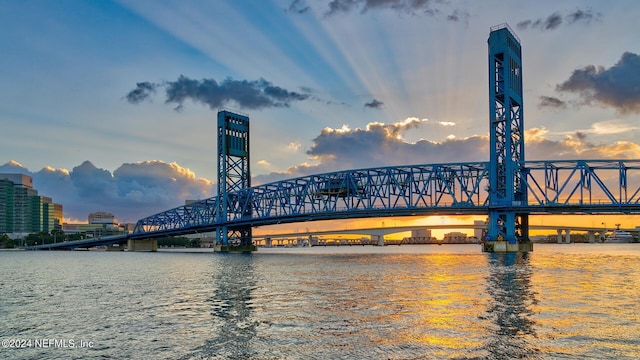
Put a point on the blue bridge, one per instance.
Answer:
(554, 187)
(507, 188)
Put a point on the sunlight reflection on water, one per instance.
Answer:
(561, 301)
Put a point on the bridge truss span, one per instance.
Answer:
(389, 191)
(377, 189)
(577, 186)
(591, 185)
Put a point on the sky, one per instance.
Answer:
(111, 105)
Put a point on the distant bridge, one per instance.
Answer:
(399, 229)
(121, 240)
(82, 244)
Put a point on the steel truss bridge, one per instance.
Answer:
(507, 189)
(554, 187)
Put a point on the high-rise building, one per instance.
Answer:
(57, 216)
(22, 210)
(6, 206)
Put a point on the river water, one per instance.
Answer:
(396, 302)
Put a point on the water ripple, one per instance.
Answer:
(415, 302)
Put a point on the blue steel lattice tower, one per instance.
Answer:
(508, 229)
(233, 176)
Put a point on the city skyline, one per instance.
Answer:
(111, 106)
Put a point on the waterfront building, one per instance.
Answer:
(419, 236)
(480, 229)
(22, 210)
(102, 217)
(98, 224)
(455, 237)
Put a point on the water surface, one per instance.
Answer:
(396, 302)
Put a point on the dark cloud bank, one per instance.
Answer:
(245, 94)
(617, 87)
(133, 190)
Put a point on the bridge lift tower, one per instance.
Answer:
(508, 229)
(233, 176)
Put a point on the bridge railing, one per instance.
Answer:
(456, 188)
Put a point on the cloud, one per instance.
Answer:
(600, 128)
(380, 144)
(582, 16)
(294, 146)
(142, 92)
(245, 94)
(264, 163)
(374, 104)
(363, 7)
(611, 127)
(412, 7)
(555, 20)
(575, 146)
(133, 191)
(615, 87)
(458, 15)
(551, 102)
(299, 7)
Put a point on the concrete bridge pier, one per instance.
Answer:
(142, 245)
(267, 242)
(591, 236)
(567, 237)
(379, 239)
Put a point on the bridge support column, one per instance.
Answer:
(508, 227)
(591, 235)
(567, 238)
(560, 241)
(502, 246)
(234, 180)
(142, 245)
(379, 239)
(267, 242)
